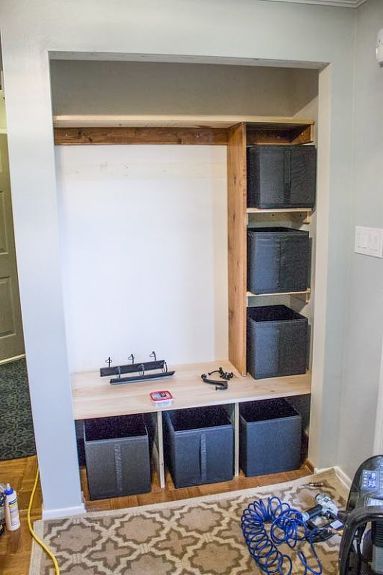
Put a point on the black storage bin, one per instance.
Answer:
(117, 456)
(278, 260)
(199, 445)
(281, 176)
(79, 427)
(277, 341)
(270, 437)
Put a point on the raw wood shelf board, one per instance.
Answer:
(237, 244)
(126, 135)
(280, 134)
(305, 295)
(189, 130)
(250, 294)
(279, 210)
(296, 215)
(177, 121)
(94, 397)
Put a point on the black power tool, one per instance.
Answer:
(361, 550)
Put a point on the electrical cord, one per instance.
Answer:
(33, 534)
(286, 526)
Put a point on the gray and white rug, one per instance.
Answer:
(16, 437)
(198, 536)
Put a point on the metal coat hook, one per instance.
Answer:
(153, 355)
(131, 357)
(108, 361)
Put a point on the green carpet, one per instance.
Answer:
(16, 432)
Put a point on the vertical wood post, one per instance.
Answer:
(237, 222)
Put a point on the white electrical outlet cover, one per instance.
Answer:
(369, 241)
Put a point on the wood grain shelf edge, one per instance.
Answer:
(178, 121)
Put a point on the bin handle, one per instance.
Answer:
(203, 457)
(118, 467)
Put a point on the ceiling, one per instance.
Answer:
(343, 3)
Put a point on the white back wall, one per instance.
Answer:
(144, 251)
(171, 88)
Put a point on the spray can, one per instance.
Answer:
(2, 511)
(12, 518)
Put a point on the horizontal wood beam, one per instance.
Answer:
(203, 136)
(174, 121)
(153, 135)
(281, 135)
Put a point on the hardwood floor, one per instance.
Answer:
(15, 548)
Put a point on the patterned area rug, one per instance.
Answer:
(16, 437)
(200, 536)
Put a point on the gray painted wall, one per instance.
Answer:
(363, 335)
(248, 29)
(84, 87)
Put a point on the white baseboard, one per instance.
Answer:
(341, 475)
(323, 469)
(63, 512)
(11, 359)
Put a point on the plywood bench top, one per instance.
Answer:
(93, 396)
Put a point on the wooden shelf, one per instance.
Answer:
(188, 130)
(94, 397)
(279, 210)
(296, 215)
(179, 121)
(299, 294)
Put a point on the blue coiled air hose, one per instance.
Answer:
(266, 526)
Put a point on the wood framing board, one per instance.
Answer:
(306, 211)
(93, 396)
(154, 136)
(280, 134)
(292, 293)
(175, 121)
(237, 263)
(279, 219)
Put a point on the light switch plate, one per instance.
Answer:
(369, 241)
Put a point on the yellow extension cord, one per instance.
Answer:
(33, 534)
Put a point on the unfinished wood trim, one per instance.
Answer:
(237, 268)
(298, 216)
(292, 293)
(280, 135)
(175, 121)
(309, 465)
(259, 211)
(278, 210)
(121, 135)
(304, 136)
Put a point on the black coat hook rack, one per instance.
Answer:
(158, 369)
